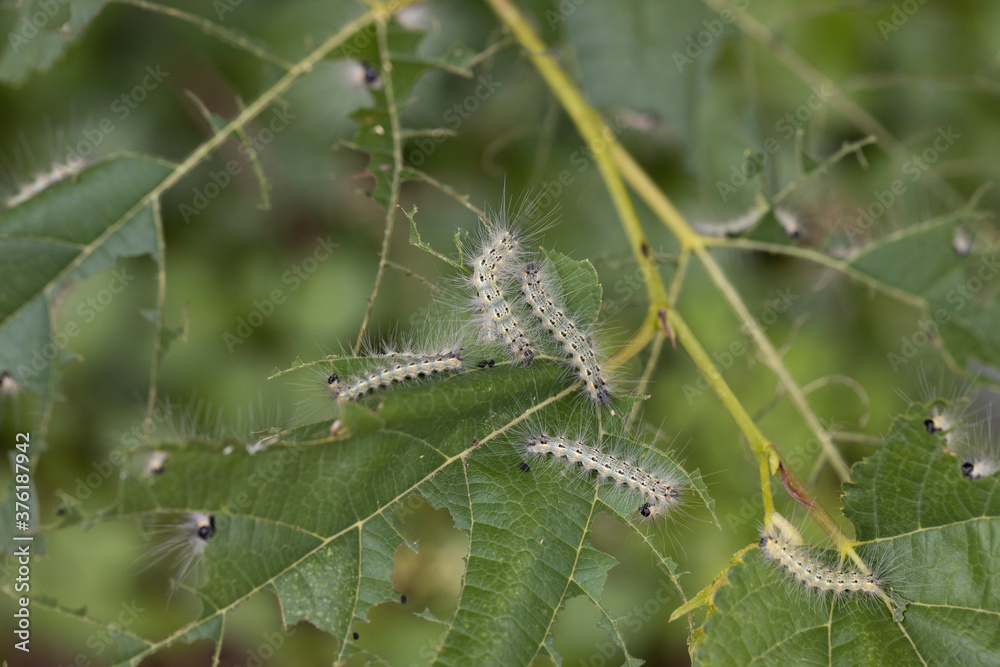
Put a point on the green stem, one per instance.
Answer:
(662, 207)
(161, 300)
(763, 450)
(210, 28)
(397, 168)
(774, 362)
(599, 139)
(654, 357)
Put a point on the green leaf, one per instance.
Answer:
(938, 533)
(67, 232)
(959, 294)
(326, 550)
(40, 35)
(375, 123)
(580, 292)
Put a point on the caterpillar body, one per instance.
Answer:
(60, 171)
(577, 345)
(734, 227)
(155, 462)
(409, 368)
(782, 545)
(967, 434)
(657, 491)
(185, 541)
(789, 222)
(499, 320)
(977, 451)
(977, 467)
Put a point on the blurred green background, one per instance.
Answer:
(688, 126)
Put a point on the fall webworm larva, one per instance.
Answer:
(185, 541)
(969, 438)
(947, 418)
(410, 367)
(657, 490)
(8, 385)
(781, 544)
(577, 345)
(492, 262)
(734, 227)
(364, 73)
(29, 175)
(961, 242)
(789, 221)
(42, 180)
(976, 449)
(155, 461)
(9, 391)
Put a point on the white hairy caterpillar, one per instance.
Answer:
(407, 368)
(364, 73)
(789, 222)
(184, 541)
(42, 180)
(961, 242)
(36, 165)
(968, 436)
(976, 448)
(781, 544)
(946, 414)
(9, 392)
(8, 385)
(493, 261)
(155, 461)
(657, 490)
(577, 345)
(734, 227)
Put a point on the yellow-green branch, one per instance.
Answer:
(614, 164)
(599, 139)
(662, 207)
